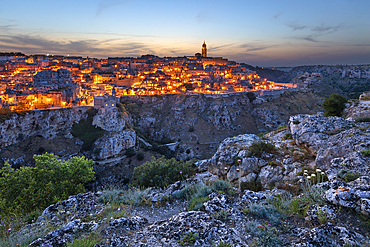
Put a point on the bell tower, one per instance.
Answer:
(204, 49)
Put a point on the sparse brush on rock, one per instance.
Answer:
(260, 147)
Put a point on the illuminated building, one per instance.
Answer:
(204, 49)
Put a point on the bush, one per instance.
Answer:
(265, 211)
(86, 131)
(365, 153)
(348, 176)
(191, 128)
(133, 196)
(51, 180)
(251, 96)
(161, 172)
(5, 114)
(296, 122)
(187, 239)
(88, 241)
(334, 105)
(253, 186)
(258, 148)
(130, 152)
(221, 185)
(288, 136)
(362, 119)
(197, 203)
(140, 156)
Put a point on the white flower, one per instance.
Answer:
(313, 175)
(308, 177)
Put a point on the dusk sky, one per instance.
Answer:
(260, 32)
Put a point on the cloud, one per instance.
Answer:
(296, 27)
(106, 4)
(315, 31)
(255, 47)
(325, 29)
(277, 15)
(41, 44)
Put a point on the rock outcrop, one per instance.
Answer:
(45, 123)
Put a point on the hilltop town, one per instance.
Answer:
(44, 81)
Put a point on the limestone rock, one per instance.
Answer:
(112, 144)
(109, 119)
(328, 235)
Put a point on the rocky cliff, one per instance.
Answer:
(45, 123)
(315, 191)
(201, 122)
(50, 131)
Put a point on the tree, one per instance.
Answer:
(251, 96)
(334, 105)
(50, 181)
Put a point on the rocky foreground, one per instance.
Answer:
(332, 209)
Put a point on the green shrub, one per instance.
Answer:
(348, 176)
(253, 186)
(86, 131)
(140, 156)
(281, 128)
(133, 196)
(191, 128)
(362, 119)
(365, 153)
(222, 215)
(51, 180)
(197, 203)
(262, 134)
(223, 244)
(221, 185)
(130, 152)
(334, 105)
(187, 239)
(259, 147)
(287, 136)
(161, 172)
(193, 191)
(120, 107)
(265, 211)
(5, 114)
(351, 176)
(87, 241)
(296, 122)
(133, 109)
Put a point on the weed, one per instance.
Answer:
(365, 153)
(262, 134)
(265, 211)
(86, 241)
(260, 147)
(132, 196)
(222, 215)
(223, 244)
(221, 185)
(187, 239)
(348, 176)
(196, 203)
(287, 136)
(253, 186)
(362, 119)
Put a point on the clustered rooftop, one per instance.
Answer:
(43, 81)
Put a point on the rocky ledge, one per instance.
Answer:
(311, 189)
